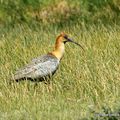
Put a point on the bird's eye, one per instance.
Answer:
(65, 36)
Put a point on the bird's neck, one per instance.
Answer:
(59, 49)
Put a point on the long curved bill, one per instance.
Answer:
(70, 40)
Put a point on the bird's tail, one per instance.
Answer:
(12, 79)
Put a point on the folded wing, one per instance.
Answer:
(38, 68)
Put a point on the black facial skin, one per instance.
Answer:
(66, 37)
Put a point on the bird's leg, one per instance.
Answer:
(49, 85)
(35, 85)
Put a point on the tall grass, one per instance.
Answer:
(57, 11)
(85, 82)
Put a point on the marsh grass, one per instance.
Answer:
(85, 82)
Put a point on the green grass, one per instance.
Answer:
(59, 11)
(84, 83)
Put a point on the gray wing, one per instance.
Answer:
(38, 68)
(42, 59)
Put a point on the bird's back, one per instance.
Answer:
(38, 69)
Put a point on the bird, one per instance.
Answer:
(44, 67)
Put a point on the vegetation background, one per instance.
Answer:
(87, 84)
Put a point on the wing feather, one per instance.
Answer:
(37, 68)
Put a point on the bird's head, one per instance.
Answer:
(64, 39)
(59, 45)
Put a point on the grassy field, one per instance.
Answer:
(85, 84)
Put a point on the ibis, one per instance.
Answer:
(43, 68)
